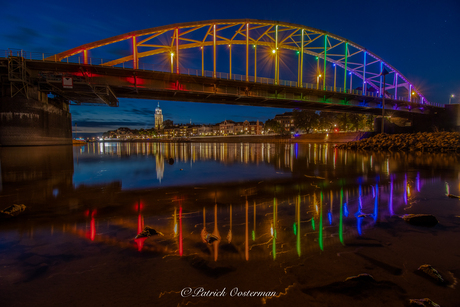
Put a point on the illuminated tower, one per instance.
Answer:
(158, 118)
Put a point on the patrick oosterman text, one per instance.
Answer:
(235, 292)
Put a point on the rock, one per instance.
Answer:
(363, 285)
(13, 210)
(148, 232)
(426, 220)
(210, 238)
(361, 278)
(422, 302)
(432, 273)
(441, 141)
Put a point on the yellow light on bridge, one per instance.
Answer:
(273, 51)
(413, 93)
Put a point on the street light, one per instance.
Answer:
(450, 98)
(317, 82)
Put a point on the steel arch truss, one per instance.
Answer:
(359, 69)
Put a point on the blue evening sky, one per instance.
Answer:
(418, 37)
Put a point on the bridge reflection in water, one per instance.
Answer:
(305, 197)
(259, 228)
(260, 217)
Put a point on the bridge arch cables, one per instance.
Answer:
(252, 50)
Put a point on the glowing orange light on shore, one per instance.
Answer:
(175, 222)
(181, 250)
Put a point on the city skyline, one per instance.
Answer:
(412, 38)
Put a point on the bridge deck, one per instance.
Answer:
(102, 84)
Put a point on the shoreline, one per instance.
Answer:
(420, 141)
(340, 137)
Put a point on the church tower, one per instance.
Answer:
(158, 118)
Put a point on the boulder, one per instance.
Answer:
(13, 210)
(426, 220)
(426, 302)
(432, 273)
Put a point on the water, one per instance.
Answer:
(269, 206)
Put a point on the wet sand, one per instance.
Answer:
(49, 259)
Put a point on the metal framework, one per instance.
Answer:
(272, 45)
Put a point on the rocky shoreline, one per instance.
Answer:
(421, 141)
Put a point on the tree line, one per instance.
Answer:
(309, 121)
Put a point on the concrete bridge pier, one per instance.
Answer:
(29, 117)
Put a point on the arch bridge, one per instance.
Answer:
(246, 62)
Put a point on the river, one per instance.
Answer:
(290, 219)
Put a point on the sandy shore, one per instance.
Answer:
(51, 260)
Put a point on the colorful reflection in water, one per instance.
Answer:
(341, 217)
(314, 182)
(320, 240)
(368, 201)
(286, 208)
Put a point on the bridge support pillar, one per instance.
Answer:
(36, 120)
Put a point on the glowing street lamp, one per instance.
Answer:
(450, 98)
(317, 82)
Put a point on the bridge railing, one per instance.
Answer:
(78, 59)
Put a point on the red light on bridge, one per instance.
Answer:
(136, 81)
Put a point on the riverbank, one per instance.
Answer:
(421, 141)
(341, 137)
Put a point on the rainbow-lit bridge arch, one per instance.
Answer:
(253, 50)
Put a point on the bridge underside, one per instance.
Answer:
(30, 117)
(99, 84)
